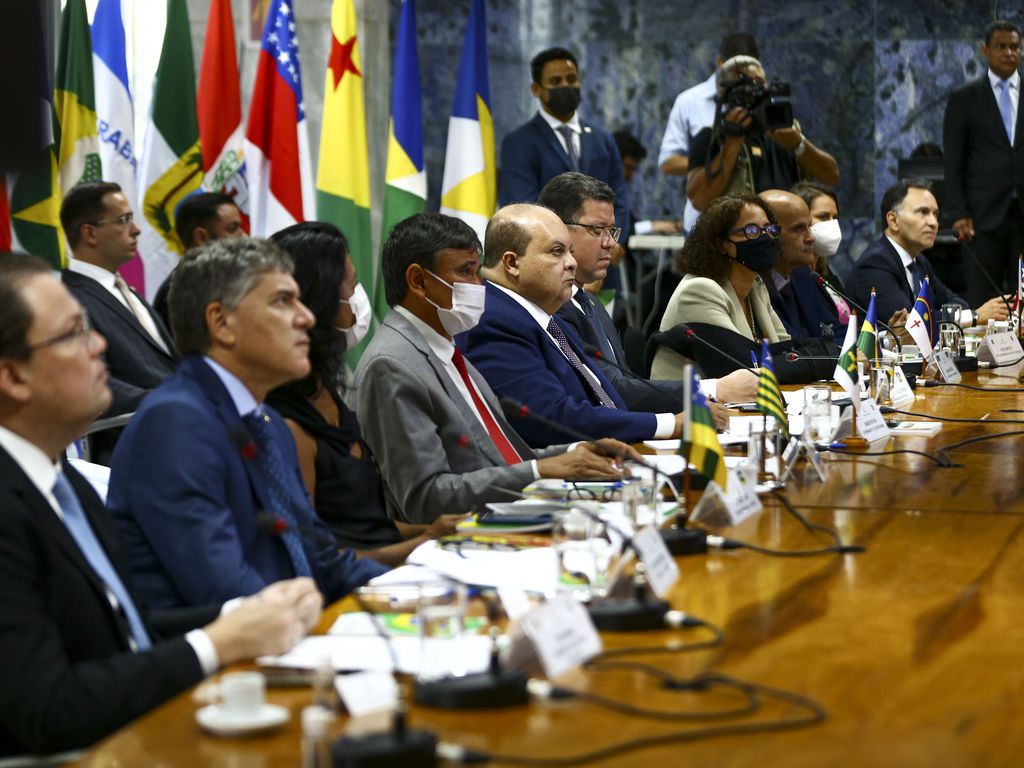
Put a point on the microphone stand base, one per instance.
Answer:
(410, 749)
(483, 690)
(628, 614)
(684, 541)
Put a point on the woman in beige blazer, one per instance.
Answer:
(732, 244)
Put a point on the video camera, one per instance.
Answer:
(768, 105)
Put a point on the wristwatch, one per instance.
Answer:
(801, 147)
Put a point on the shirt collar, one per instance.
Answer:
(441, 347)
(244, 402)
(904, 255)
(538, 314)
(779, 280)
(554, 122)
(1013, 80)
(37, 466)
(102, 276)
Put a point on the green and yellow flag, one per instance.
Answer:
(343, 172)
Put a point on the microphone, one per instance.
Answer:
(792, 357)
(826, 284)
(970, 252)
(278, 526)
(692, 334)
(592, 351)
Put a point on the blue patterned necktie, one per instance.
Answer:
(80, 530)
(268, 459)
(570, 146)
(1006, 109)
(602, 338)
(592, 382)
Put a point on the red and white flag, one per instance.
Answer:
(219, 111)
(276, 141)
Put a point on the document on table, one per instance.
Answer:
(467, 654)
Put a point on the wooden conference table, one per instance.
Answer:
(914, 647)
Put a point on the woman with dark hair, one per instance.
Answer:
(337, 467)
(729, 250)
(824, 209)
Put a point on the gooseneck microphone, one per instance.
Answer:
(974, 257)
(692, 334)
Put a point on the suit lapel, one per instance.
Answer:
(130, 321)
(553, 141)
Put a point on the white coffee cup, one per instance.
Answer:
(242, 694)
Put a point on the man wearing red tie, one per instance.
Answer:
(432, 422)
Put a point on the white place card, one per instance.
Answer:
(659, 565)
(947, 367)
(366, 692)
(999, 348)
(902, 394)
(562, 634)
(870, 422)
(740, 496)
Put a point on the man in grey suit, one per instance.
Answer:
(432, 422)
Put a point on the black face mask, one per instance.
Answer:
(564, 100)
(758, 255)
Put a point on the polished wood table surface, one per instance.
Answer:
(914, 648)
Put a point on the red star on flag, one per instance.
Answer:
(340, 60)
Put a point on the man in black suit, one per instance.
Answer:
(79, 657)
(100, 227)
(983, 137)
(894, 264)
(586, 206)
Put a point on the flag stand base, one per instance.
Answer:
(856, 443)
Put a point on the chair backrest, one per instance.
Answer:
(99, 426)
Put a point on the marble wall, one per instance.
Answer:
(869, 78)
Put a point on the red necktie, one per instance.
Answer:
(500, 441)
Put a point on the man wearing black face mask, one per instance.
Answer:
(555, 140)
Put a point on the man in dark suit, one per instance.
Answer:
(100, 227)
(983, 138)
(584, 204)
(894, 265)
(456, 451)
(79, 656)
(205, 483)
(555, 140)
(525, 354)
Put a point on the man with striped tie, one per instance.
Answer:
(434, 426)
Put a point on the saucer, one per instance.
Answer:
(216, 721)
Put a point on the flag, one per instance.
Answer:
(276, 140)
(219, 111)
(469, 186)
(34, 194)
(115, 117)
(343, 171)
(1017, 306)
(769, 399)
(867, 342)
(405, 178)
(74, 102)
(921, 322)
(700, 443)
(846, 367)
(5, 218)
(171, 167)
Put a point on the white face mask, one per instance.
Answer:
(827, 236)
(467, 306)
(360, 305)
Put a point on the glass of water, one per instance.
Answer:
(441, 616)
(818, 414)
(583, 553)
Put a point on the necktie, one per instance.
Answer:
(138, 311)
(281, 486)
(918, 274)
(591, 313)
(493, 429)
(1006, 108)
(80, 530)
(585, 373)
(570, 146)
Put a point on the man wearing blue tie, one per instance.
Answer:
(983, 138)
(205, 483)
(80, 656)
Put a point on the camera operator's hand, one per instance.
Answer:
(736, 122)
(787, 138)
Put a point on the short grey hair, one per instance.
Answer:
(222, 271)
(727, 72)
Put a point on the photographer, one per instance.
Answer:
(754, 143)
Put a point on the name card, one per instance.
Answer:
(999, 348)
(562, 634)
(366, 692)
(947, 367)
(659, 565)
(870, 423)
(741, 496)
(902, 394)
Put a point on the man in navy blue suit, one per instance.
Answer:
(524, 354)
(205, 483)
(555, 140)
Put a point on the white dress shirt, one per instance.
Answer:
(964, 316)
(574, 125)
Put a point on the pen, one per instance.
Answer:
(753, 358)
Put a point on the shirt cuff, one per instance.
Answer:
(966, 318)
(666, 426)
(710, 388)
(535, 469)
(230, 605)
(203, 647)
(644, 227)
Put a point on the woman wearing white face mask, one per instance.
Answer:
(337, 467)
(824, 208)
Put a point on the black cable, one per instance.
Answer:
(718, 637)
(990, 366)
(933, 457)
(814, 713)
(978, 439)
(932, 383)
(886, 409)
